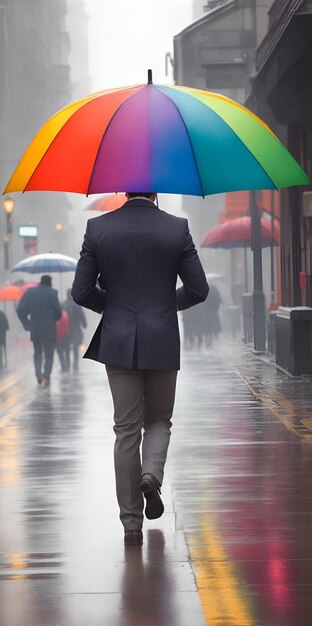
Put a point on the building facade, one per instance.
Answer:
(281, 94)
(36, 81)
(217, 53)
(260, 53)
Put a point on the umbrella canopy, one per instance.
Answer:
(107, 203)
(166, 139)
(236, 233)
(46, 264)
(10, 292)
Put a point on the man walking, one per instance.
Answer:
(136, 254)
(76, 323)
(4, 327)
(38, 310)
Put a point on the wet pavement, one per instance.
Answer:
(234, 547)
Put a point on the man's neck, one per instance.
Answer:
(140, 198)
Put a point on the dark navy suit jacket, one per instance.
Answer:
(136, 254)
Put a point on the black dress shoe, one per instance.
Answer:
(133, 537)
(151, 490)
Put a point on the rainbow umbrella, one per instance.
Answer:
(167, 139)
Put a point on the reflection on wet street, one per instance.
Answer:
(234, 547)
(243, 495)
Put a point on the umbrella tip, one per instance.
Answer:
(149, 77)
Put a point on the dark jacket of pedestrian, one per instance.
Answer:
(4, 327)
(76, 320)
(38, 310)
(210, 312)
(136, 253)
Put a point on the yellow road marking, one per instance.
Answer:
(12, 379)
(219, 585)
(12, 406)
(307, 422)
(11, 413)
(284, 409)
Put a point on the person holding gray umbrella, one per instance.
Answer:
(38, 310)
(47, 263)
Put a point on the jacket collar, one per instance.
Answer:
(140, 202)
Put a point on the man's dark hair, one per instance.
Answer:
(145, 194)
(46, 280)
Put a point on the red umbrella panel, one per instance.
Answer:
(108, 203)
(237, 234)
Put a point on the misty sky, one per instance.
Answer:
(129, 36)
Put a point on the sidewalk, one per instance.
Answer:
(242, 493)
(63, 561)
(234, 547)
(290, 399)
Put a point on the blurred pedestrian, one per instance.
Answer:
(136, 254)
(188, 328)
(211, 316)
(38, 310)
(4, 327)
(235, 310)
(76, 323)
(193, 326)
(62, 341)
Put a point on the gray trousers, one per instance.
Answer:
(143, 399)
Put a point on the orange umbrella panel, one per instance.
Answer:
(107, 203)
(10, 292)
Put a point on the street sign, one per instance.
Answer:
(28, 230)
